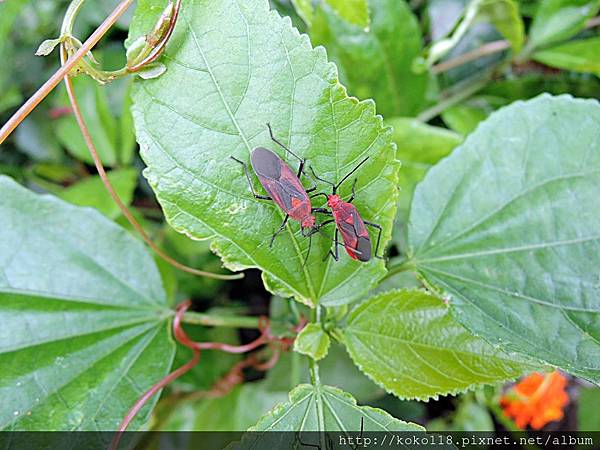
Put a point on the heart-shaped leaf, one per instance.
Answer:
(84, 319)
(507, 225)
(233, 67)
(407, 342)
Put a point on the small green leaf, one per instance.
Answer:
(507, 226)
(407, 342)
(312, 341)
(578, 56)
(354, 11)
(377, 64)
(305, 10)
(48, 46)
(325, 408)
(84, 319)
(91, 192)
(237, 67)
(558, 20)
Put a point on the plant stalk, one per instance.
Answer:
(463, 94)
(487, 49)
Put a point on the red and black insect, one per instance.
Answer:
(284, 188)
(349, 223)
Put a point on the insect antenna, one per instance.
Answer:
(321, 179)
(286, 148)
(336, 186)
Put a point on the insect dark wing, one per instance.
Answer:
(363, 246)
(354, 233)
(266, 164)
(278, 180)
(349, 237)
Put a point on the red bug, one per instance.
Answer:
(284, 188)
(349, 223)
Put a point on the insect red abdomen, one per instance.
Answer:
(354, 233)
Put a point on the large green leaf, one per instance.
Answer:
(407, 342)
(558, 20)
(377, 63)
(84, 321)
(233, 67)
(325, 408)
(579, 56)
(507, 226)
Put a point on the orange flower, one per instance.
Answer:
(536, 400)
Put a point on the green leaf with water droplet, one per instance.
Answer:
(84, 318)
(233, 67)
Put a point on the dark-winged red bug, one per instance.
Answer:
(348, 222)
(284, 187)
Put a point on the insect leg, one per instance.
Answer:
(309, 247)
(374, 225)
(336, 243)
(322, 211)
(280, 229)
(314, 183)
(260, 197)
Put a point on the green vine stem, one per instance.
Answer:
(462, 93)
